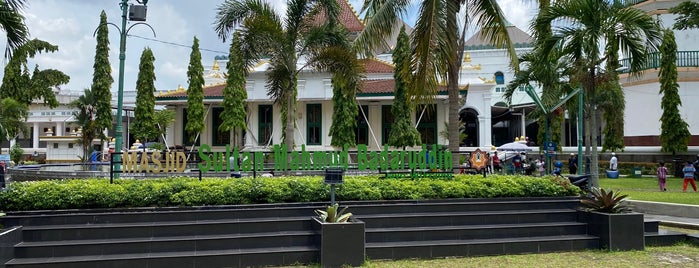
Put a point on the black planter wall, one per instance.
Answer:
(617, 231)
(341, 244)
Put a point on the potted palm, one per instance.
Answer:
(342, 239)
(610, 219)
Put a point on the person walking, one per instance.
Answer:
(613, 162)
(496, 162)
(573, 164)
(688, 171)
(517, 163)
(662, 175)
(540, 166)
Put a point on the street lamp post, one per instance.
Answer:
(137, 14)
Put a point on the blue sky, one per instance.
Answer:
(70, 24)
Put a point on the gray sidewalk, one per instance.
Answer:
(675, 215)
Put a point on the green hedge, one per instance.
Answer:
(98, 193)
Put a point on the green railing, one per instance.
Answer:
(684, 59)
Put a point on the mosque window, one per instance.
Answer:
(314, 123)
(499, 78)
(264, 130)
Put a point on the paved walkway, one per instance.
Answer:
(677, 215)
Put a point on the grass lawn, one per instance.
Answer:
(682, 255)
(646, 189)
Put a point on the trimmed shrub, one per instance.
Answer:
(184, 191)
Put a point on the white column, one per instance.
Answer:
(59, 128)
(524, 122)
(35, 136)
(485, 121)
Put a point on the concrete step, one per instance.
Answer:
(479, 247)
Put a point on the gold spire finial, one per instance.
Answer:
(467, 57)
(215, 68)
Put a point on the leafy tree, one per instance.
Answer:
(13, 118)
(86, 118)
(674, 131)
(12, 21)
(403, 133)
(580, 27)
(283, 41)
(234, 94)
(144, 124)
(102, 76)
(195, 93)
(437, 41)
(18, 84)
(163, 119)
(688, 12)
(16, 153)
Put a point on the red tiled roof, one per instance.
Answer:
(376, 66)
(347, 17)
(377, 86)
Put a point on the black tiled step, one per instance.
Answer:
(164, 244)
(664, 238)
(467, 218)
(204, 259)
(98, 216)
(490, 205)
(157, 216)
(479, 247)
(396, 234)
(156, 229)
(650, 225)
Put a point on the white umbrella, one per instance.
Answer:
(514, 147)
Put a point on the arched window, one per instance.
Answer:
(499, 78)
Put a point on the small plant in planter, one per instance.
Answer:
(331, 215)
(604, 201)
(612, 220)
(342, 237)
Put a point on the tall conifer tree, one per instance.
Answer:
(195, 93)
(674, 131)
(102, 77)
(402, 133)
(144, 125)
(234, 94)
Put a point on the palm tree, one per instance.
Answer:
(546, 72)
(283, 41)
(437, 42)
(590, 32)
(86, 118)
(12, 21)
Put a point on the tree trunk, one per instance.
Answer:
(454, 122)
(594, 169)
(289, 128)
